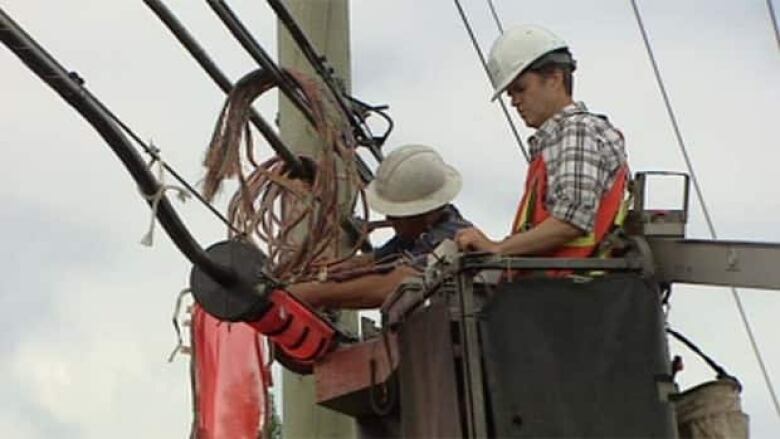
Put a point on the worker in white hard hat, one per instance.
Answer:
(578, 170)
(413, 188)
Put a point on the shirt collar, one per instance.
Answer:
(549, 126)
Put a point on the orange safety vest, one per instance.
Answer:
(532, 211)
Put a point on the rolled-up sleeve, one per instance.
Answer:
(577, 175)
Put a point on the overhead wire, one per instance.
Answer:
(255, 50)
(702, 202)
(495, 16)
(71, 89)
(327, 74)
(154, 153)
(474, 42)
(199, 54)
(773, 18)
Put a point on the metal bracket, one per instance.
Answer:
(656, 222)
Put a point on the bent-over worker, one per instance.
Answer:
(413, 188)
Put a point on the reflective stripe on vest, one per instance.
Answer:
(532, 211)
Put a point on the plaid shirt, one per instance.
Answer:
(582, 152)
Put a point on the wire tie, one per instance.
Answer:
(148, 238)
(179, 342)
(153, 149)
(322, 276)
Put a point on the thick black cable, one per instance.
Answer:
(325, 71)
(71, 90)
(256, 51)
(215, 73)
(773, 17)
(221, 80)
(318, 63)
(155, 155)
(484, 66)
(719, 370)
(283, 82)
(702, 202)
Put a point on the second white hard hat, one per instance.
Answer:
(515, 50)
(412, 180)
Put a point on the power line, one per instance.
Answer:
(495, 16)
(773, 17)
(702, 202)
(484, 66)
(154, 153)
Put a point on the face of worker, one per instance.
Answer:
(537, 97)
(409, 228)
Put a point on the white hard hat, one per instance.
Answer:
(412, 180)
(515, 50)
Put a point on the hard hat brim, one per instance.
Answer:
(441, 197)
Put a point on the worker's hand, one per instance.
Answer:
(472, 239)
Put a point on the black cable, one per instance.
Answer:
(70, 89)
(495, 16)
(215, 73)
(484, 66)
(702, 202)
(154, 154)
(325, 71)
(383, 404)
(773, 17)
(256, 51)
(283, 81)
(719, 370)
(221, 80)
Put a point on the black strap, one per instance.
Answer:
(719, 370)
(382, 397)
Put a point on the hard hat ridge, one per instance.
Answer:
(516, 50)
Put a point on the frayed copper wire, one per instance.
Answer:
(270, 204)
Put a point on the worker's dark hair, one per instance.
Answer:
(557, 60)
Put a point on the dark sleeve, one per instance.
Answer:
(389, 248)
(430, 240)
(447, 230)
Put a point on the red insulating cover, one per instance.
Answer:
(294, 328)
(230, 379)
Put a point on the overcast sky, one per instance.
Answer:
(86, 310)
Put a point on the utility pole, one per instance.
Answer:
(326, 23)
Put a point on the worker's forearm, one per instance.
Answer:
(550, 234)
(367, 291)
(353, 263)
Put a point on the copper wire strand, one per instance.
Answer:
(269, 203)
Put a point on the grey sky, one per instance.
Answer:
(86, 309)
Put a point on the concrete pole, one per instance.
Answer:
(326, 23)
